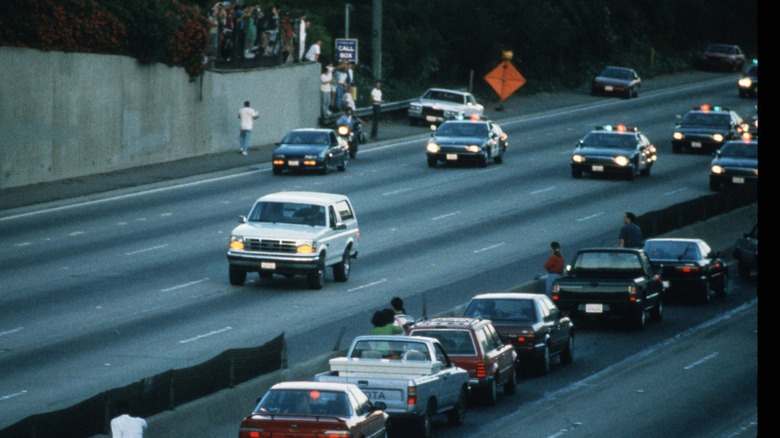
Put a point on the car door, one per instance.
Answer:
(370, 422)
(501, 353)
(449, 379)
(551, 315)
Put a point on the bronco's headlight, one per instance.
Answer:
(432, 148)
(745, 82)
(473, 148)
(236, 242)
(306, 248)
(621, 161)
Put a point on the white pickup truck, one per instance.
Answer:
(412, 375)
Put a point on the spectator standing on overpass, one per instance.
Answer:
(313, 54)
(376, 105)
(247, 115)
(326, 77)
(126, 426)
(553, 266)
(630, 233)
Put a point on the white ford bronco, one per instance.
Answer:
(295, 233)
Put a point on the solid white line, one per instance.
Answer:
(180, 286)
(8, 332)
(454, 213)
(395, 192)
(215, 332)
(587, 218)
(476, 251)
(536, 192)
(367, 285)
(146, 249)
(674, 192)
(701, 361)
(16, 394)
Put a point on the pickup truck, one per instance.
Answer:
(411, 375)
(610, 283)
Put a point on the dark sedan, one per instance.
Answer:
(622, 81)
(618, 150)
(705, 128)
(748, 83)
(689, 268)
(735, 164)
(532, 323)
(474, 140)
(311, 149)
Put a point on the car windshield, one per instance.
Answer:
(304, 402)
(288, 213)
(721, 48)
(738, 149)
(609, 140)
(463, 130)
(752, 70)
(455, 342)
(306, 137)
(672, 250)
(608, 264)
(616, 73)
(445, 96)
(502, 310)
(706, 119)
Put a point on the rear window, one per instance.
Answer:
(607, 260)
(455, 342)
(345, 211)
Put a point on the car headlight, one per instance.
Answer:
(473, 148)
(305, 248)
(621, 161)
(236, 242)
(577, 158)
(678, 135)
(717, 137)
(745, 82)
(415, 108)
(432, 148)
(717, 169)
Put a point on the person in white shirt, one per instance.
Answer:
(247, 115)
(376, 104)
(126, 426)
(325, 80)
(313, 55)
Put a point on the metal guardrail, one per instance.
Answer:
(368, 111)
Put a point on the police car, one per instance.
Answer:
(613, 150)
(472, 140)
(705, 129)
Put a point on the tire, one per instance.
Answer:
(723, 288)
(326, 169)
(543, 362)
(567, 355)
(490, 396)
(510, 386)
(631, 174)
(636, 92)
(640, 320)
(706, 293)
(714, 185)
(237, 276)
(576, 173)
(317, 279)
(498, 159)
(424, 426)
(457, 415)
(645, 172)
(482, 161)
(432, 161)
(277, 171)
(657, 313)
(341, 270)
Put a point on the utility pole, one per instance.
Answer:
(347, 7)
(376, 40)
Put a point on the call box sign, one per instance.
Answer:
(347, 50)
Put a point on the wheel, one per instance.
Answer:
(266, 275)
(510, 386)
(237, 275)
(631, 174)
(424, 423)
(457, 415)
(317, 278)
(432, 161)
(645, 171)
(341, 270)
(352, 151)
(326, 169)
(657, 313)
(498, 159)
(706, 293)
(482, 161)
(636, 92)
(277, 171)
(576, 173)
(640, 320)
(543, 362)
(490, 396)
(723, 287)
(567, 355)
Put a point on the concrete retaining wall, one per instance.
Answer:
(65, 115)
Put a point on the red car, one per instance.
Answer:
(622, 81)
(728, 57)
(315, 409)
(475, 346)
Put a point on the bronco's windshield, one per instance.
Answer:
(288, 213)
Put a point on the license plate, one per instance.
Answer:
(695, 144)
(267, 265)
(597, 168)
(738, 180)
(666, 284)
(594, 308)
(293, 163)
(383, 396)
(452, 157)
(608, 88)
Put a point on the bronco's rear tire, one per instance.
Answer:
(237, 276)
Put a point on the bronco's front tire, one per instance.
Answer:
(341, 270)
(237, 275)
(317, 278)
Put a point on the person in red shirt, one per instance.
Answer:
(553, 266)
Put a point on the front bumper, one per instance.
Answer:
(275, 263)
(605, 168)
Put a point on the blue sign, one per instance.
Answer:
(347, 50)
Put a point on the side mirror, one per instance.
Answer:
(242, 219)
(340, 226)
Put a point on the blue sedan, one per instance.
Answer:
(311, 149)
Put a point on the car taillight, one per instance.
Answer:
(333, 434)
(411, 395)
(481, 370)
(253, 433)
(689, 269)
(632, 290)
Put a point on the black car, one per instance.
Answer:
(311, 149)
(746, 252)
(748, 83)
(617, 150)
(531, 322)
(735, 164)
(622, 81)
(705, 128)
(474, 140)
(721, 57)
(689, 268)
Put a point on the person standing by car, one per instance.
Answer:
(247, 115)
(126, 426)
(630, 233)
(384, 323)
(376, 104)
(553, 266)
(402, 319)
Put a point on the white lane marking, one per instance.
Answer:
(587, 218)
(488, 248)
(367, 285)
(166, 214)
(15, 394)
(212, 333)
(454, 213)
(146, 249)
(23, 244)
(395, 192)
(536, 192)
(706, 358)
(674, 192)
(8, 332)
(180, 286)
(76, 233)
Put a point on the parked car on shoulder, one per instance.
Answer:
(729, 57)
(532, 323)
(474, 345)
(316, 409)
(310, 149)
(474, 141)
(437, 105)
(735, 164)
(614, 150)
(746, 252)
(748, 83)
(705, 128)
(295, 233)
(622, 81)
(689, 268)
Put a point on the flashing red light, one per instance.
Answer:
(474, 117)
(315, 395)
(620, 128)
(705, 108)
(747, 137)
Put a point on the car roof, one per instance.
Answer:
(618, 68)
(447, 90)
(508, 295)
(316, 198)
(675, 239)
(311, 130)
(306, 385)
(449, 323)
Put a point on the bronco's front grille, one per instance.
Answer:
(271, 245)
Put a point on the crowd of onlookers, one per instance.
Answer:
(247, 31)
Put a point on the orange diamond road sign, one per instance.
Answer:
(505, 79)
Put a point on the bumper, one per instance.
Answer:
(697, 144)
(607, 310)
(454, 157)
(603, 169)
(279, 264)
(732, 180)
(300, 166)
